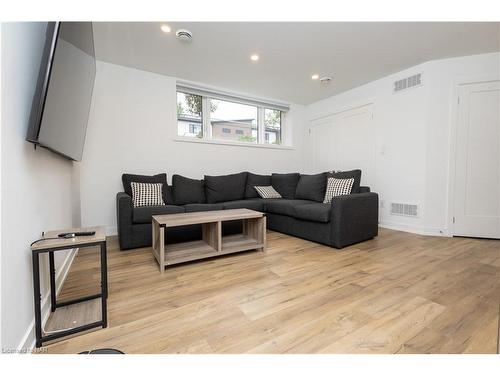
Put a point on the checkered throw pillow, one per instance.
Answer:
(144, 194)
(336, 187)
(267, 192)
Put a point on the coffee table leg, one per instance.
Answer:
(264, 233)
(162, 249)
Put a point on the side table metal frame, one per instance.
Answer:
(40, 339)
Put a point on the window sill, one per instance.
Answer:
(232, 143)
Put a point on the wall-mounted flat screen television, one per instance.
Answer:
(63, 94)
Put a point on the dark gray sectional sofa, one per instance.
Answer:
(300, 212)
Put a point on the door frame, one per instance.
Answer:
(452, 160)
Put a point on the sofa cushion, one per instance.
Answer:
(285, 184)
(267, 192)
(319, 212)
(255, 180)
(127, 179)
(336, 187)
(255, 204)
(284, 206)
(145, 194)
(355, 173)
(142, 215)
(198, 207)
(226, 188)
(311, 187)
(168, 194)
(187, 190)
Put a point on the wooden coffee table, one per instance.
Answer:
(212, 243)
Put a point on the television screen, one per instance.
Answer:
(63, 95)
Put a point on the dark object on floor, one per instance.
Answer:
(103, 351)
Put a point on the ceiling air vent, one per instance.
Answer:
(184, 35)
(409, 82)
(404, 209)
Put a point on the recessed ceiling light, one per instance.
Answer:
(165, 28)
(254, 57)
(315, 76)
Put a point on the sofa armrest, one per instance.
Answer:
(354, 218)
(364, 189)
(124, 211)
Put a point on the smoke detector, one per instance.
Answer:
(184, 35)
(325, 80)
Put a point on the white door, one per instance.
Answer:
(477, 169)
(345, 141)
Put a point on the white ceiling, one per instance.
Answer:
(290, 52)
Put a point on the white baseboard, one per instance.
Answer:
(425, 231)
(28, 341)
(111, 231)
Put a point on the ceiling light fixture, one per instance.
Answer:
(315, 76)
(165, 28)
(325, 80)
(254, 57)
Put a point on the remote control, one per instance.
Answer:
(75, 234)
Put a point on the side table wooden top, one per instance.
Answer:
(99, 236)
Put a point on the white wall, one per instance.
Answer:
(444, 76)
(132, 129)
(36, 184)
(413, 136)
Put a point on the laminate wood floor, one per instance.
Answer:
(398, 293)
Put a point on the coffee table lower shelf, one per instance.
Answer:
(213, 243)
(193, 250)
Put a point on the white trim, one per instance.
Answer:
(416, 229)
(223, 94)
(454, 108)
(111, 231)
(261, 130)
(27, 342)
(232, 143)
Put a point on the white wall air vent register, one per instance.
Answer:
(404, 209)
(408, 82)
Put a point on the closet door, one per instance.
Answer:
(346, 141)
(477, 162)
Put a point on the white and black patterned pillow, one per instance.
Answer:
(267, 192)
(145, 194)
(336, 187)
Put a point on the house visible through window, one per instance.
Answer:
(201, 115)
(225, 115)
(195, 128)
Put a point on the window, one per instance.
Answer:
(272, 122)
(242, 118)
(189, 115)
(213, 115)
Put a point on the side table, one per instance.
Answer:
(50, 246)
